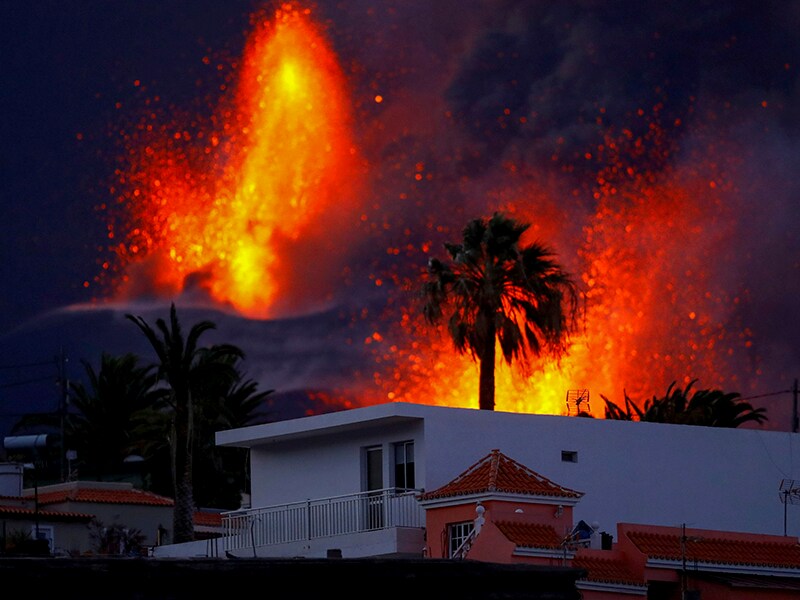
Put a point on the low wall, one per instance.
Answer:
(355, 579)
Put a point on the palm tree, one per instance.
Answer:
(99, 425)
(708, 408)
(102, 430)
(226, 404)
(495, 290)
(223, 404)
(185, 367)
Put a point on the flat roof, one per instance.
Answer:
(334, 422)
(379, 415)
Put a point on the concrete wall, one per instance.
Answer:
(143, 579)
(384, 543)
(317, 467)
(724, 479)
(144, 518)
(70, 539)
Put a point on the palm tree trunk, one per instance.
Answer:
(486, 377)
(183, 513)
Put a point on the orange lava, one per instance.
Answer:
(219, 207)
(651, 310)
(242, 207)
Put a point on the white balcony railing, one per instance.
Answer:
(311, 519)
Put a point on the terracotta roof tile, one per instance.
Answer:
(530, 535)
(716, 550)
(208, 519)
(104, 496)
(607, 570)
(50, 515)
(496, 472)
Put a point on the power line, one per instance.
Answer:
(26, 365)
(765, 395)
(25, 382)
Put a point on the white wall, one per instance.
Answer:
(11, 479)
(319, 467)
(712, 478)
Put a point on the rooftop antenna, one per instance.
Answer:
(790, 494)
(577, 402)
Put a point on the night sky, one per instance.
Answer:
(492, 97)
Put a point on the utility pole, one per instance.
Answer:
(683, 561)
(794, 408)
(62, 408)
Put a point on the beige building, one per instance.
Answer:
(69, 516)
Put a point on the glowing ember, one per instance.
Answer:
(217, 210)
(651, 312)
(242, 207)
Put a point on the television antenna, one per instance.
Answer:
(575, 400)
(789, 494)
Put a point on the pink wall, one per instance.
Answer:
(495, 548)
(492, 546)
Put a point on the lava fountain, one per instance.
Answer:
(254, 207)
(652, 311)
(229, 207)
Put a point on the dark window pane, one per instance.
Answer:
(374, 468)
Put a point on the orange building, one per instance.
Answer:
(500, 511)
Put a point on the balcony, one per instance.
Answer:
(387, 522)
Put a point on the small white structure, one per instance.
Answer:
(11, 477)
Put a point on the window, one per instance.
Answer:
(45, 532)
(458, 534)
(404, 465)
(569, 456)
(373, 459)
(373, 481)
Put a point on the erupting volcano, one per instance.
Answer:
(652, 311)
(227, 209)
(308, 188)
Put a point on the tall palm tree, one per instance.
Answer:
(223, 404)
(185, 367)
(495, 290)
(226, 404)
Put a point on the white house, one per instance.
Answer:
(334, 484)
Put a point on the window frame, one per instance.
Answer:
(457, 533)
(404, 472)
(375, 451)
(570, 456)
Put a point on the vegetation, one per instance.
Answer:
(126, 409)
(496, 291)
(100, 424)
(225, 404)
(189, 371)
(710, 408)
(116, 540)
(101, 428)
(19, 542)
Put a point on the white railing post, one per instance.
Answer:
(308, 519)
